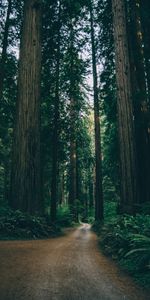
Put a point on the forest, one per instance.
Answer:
(75, 123)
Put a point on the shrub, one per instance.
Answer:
(128, 241)
(64, 217)
(15, 224)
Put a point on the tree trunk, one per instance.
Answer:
(141, 107)
(129, 180)
(25, 180)
(78, 175)
(90, 191)
(73, 145)
(61, 186)
(54, 184)
(4, 47)
(98, 155)
(73, 163)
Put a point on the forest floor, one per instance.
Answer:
(70, 267)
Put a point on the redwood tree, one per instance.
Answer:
(128, 168)
(73, 113)
(55, 141)
(25, 179)
(140, 97)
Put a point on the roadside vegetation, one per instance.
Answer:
(19, 225)
(126, 239)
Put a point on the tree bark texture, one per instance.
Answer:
(140, 97)
(4, 47)
(98, 155)
(128, 162)
(25, 180)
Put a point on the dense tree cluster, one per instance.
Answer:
(63, 142)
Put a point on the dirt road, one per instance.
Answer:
(64, 268)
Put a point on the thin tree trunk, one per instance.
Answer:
(98, 155)
(78, 175)
(129, 181)
(73, 165)
(90, 192)
(4, 47)
(61, 184)
(54, 184)
(25, 179)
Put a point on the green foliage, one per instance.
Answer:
(109, 124)
(110, 209)
(128, 241)
(90, 217)
(6, 119)
(64, 217)
(145, 208)
(73, 70)
(110, 216)
(18, 225)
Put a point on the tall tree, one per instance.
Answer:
(129, 180)
(25, 177)
(98, 154)
(55, 141)
(73, 153)
(140, 97)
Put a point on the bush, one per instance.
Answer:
(15, 224)
(64, 217)
(128, 241)
(110, 210)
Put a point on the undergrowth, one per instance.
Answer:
(64, 217)
(18, 225)
(127, 240)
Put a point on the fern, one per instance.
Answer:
(128, 241)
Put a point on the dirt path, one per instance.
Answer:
(65, 268)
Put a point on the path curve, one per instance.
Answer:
(65, 268)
